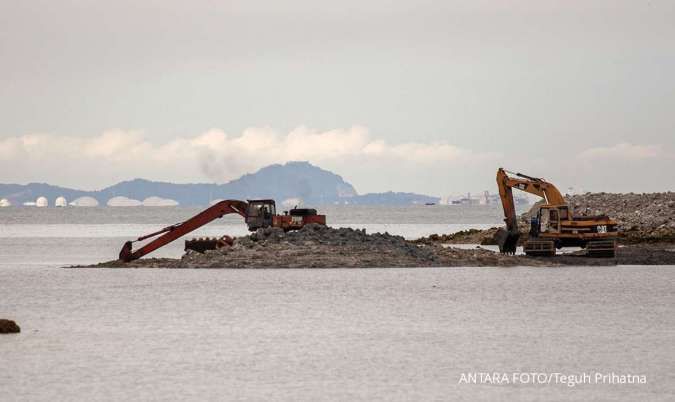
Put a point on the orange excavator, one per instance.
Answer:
(257, 214)
(554, 226)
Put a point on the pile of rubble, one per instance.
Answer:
(648, 217)
(313, 246)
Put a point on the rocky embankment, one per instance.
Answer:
(642, 218)
(317, 246)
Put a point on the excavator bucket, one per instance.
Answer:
(126, 254)
(507, 241)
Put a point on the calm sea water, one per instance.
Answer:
(371, 334)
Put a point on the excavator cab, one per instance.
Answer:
(549, 218)
(259, 214)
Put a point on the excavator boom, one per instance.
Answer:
(171, 233)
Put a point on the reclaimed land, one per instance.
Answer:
(317, 246)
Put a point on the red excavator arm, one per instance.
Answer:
(173, 232)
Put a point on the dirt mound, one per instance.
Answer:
(314, 246)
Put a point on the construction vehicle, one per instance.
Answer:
(554, 226)
(257, 214)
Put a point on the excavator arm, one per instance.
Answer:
(508, 239)
(171, 233)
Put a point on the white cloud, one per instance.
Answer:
(623, 150)
(214, 155)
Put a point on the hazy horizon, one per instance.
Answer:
(427, 97)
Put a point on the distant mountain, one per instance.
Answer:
(291, 180)
(303, 180)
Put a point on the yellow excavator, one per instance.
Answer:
(554, 226)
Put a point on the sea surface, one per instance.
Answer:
(333, 334)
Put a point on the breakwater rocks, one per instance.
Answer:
(8, 327)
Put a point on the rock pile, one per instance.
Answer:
(314, 246)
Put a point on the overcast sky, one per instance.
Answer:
(418, 96)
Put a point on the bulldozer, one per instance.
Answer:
(257, 214)
(554, 225)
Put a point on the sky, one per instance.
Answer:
(422, 96)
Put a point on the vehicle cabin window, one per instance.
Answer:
(255, 211)
(564, 214)
(554, 215)
(543, 221)
(553, 221)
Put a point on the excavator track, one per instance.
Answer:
(601, 248)
(539, 248)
